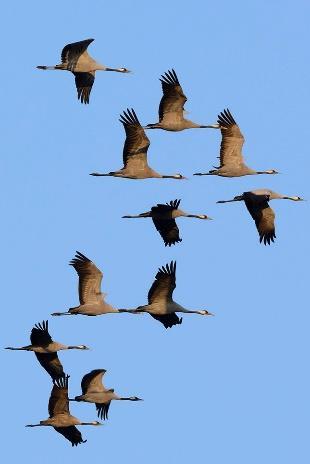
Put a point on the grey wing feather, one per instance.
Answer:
(90, 278)
(168, 230)
(103, 410)
(164, 284)
(72, 52)
(263, 216)
(136, 144)
(39, 334)
(84, 82)
(59, 402)
(50, 362)
(72, 434)
(164, 223)
(173, 98)
(232, 140)
(92, 382)
(168, 320)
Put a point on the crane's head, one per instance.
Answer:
(179, 176)
(294, 198)
(204, 312)
(124, 70)
(271, 171)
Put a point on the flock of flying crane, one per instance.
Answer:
(160, 306)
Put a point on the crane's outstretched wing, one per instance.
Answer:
(232, 140)
(92, 382)
(136, 144)
(84, 82)
(103, 409)
(40, 335)
(50, 362)
(165, 224)
(263, 216)
(59, 402)
(72, 52)
(168, 320)
(163, 285)
(90, 278)
(173, 98)
(72, 434)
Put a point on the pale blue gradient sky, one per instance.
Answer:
(234, 388)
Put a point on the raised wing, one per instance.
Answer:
(84, 82)
(50, 362)
(173, 98)
(103, 409)
(72, 434)
(165, 224)
(72, 52)
(232, 140)
(39, 334)
(163, 285)
(136, 144)
(59, 402)
(168, 320)
(92, 382)
(263, 216)
(90, 278)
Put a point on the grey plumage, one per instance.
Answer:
(231, 159)
(161, 305)
(91, 298)
(93, 391)
(46, 349)
(59, 414)
(135, 152)
(75, 58)
(257, 203)
(171, 107)
(164, 216)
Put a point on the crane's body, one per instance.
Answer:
(231, 159)
(74, 58)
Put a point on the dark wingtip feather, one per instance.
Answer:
(226, 119)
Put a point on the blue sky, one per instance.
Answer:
(233, 388)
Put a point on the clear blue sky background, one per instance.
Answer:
(234, 388)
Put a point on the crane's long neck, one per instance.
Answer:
(75, 347)
(121, 70)
(88, 423)
(191, 311)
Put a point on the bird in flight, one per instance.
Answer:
(171, 107)
(231, 158)
(46, 349)
(164, 216)
(135, 152)
(59, 414)
(93, 391)
(74, 58)
(160, 305)
(91, 298)
(257, 203)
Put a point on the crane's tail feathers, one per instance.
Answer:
(131, 311)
